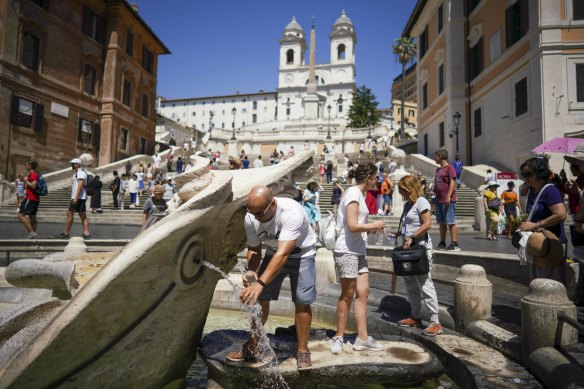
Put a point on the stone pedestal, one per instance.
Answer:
(480, 217)
(473, 296)
(76, 245)
(539, 309)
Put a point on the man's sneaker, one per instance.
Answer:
(248, 352)
(62, 235)
(453, 247)
(441, 246)
(337, 345)
(32, 235)
(86, 236)
(369, 344)
(433, 329)
(410, 322)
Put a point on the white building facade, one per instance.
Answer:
(265, 120)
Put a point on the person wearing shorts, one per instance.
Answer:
(445, 202)
(350, 261)
(30, 203)
(282, 225)
(78, 199)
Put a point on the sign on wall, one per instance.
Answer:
(59, 109)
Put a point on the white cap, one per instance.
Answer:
(75, 160)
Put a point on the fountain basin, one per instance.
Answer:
(403, 361)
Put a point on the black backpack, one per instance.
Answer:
(90, 184)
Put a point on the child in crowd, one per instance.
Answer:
(133, 189)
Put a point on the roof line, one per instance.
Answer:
(414, 17)
(145, 25)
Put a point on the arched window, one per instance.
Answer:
(341, 51)
(290, 56)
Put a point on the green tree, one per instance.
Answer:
(363, 110)
(405, 50)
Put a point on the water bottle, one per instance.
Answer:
(379, 238)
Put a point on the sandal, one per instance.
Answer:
(303, 361)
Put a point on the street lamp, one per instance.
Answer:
(456, 120)
(369, 119)
(328, 136)
(233, 111)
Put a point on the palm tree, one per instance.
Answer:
(405, 50)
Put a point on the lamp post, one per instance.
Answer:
(369, 120)
(233, 111)
(328, 135)
(456, 120)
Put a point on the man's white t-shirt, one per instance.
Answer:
(347, 241)
(132, 186)
(289, 223)
(140, 176)
(258, 163)
(79, 175)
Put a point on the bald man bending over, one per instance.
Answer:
(281, 224)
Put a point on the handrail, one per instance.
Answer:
(564, 318)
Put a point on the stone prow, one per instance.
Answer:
(36, 273)
(138, 321)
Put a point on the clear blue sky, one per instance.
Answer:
(223, 46)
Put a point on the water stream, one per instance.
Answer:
(257, 331)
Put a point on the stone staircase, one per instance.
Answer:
(53, 207)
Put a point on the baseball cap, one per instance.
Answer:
(75, 160)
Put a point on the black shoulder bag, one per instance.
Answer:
(412, 262)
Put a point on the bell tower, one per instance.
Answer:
(343, 40)
(292, 46)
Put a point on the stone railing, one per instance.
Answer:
(62, 178)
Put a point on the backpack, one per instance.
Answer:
(89, 185)
(42, 189)
(380, 168)
(327, 231)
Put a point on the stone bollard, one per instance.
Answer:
(76, 245)
(480, 217)
(539, 309)
(473, 296)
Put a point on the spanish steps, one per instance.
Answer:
(53, 207)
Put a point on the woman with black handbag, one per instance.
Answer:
(415, 223)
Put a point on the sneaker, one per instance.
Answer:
(86, 237)
(32, 235)
(410, 322)
(453, 247)
(337, 345)
(247, 353)
(433, 329)
(303, 361)
(441, 246)
(369, 344)
(62, 235)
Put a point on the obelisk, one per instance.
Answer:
(311, 100)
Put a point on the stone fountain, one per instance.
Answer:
(137, 319)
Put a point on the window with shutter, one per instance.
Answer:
(93, 25)
(440, 79)
(577, 9)
(580, 83)
(423, 42)
(516, 22)
(23, 111)
(127, 93)
(425, 96)
(129, 43)
(440, 19)
(39, 113)
(521, 97)
(441, 133)
(475, 58)
(147, 59)
(478, 123)
(145, 102)
(89, 80)
(30, 51)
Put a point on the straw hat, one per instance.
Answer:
(577, 156)
(545, 249)
(158, 189)
(492, 183)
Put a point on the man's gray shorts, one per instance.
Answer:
(302, 273)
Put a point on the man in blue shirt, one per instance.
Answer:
(458, 167)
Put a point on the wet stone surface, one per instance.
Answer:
(402, 362)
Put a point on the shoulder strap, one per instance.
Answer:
(535, 202)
